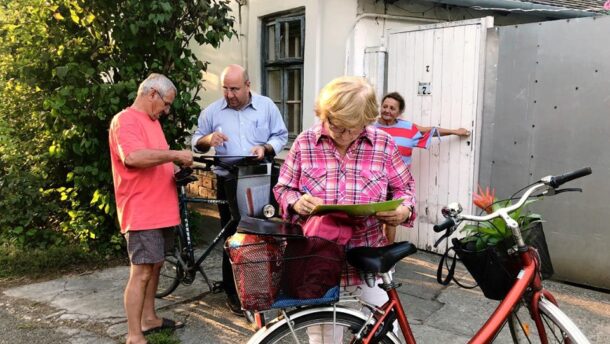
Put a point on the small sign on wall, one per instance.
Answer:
(423, 89)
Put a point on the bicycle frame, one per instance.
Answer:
(528, 277)
(189, 268)
(187, 258)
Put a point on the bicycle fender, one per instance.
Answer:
(297, 313)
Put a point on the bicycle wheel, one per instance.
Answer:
(558, 327)
(172, 272)
(169, 276)
(306, 328)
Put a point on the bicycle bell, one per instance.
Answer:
(452, 209)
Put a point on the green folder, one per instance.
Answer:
(358, 209)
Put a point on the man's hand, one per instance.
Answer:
(216, 139)
(183, 157)
(394, 217)
(258, 151)
(306, 203)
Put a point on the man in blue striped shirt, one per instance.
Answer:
(241, 123)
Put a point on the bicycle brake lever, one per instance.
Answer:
(444, 236)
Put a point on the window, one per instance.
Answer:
(282, 50)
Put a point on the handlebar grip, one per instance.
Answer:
(566, 177)
(204, 159)
(210, 161)
(448, 223)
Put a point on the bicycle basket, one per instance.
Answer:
(494, 269)
(268, 267)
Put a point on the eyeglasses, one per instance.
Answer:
(340, 131)
(167, 104)
(233, 90)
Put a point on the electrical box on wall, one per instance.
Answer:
(375, 68)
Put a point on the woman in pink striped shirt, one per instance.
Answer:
(343, 159)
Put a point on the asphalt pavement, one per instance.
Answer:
(88, 308)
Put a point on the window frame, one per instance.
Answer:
(283, 64)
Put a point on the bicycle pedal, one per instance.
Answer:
(217, 287)
(188, 279)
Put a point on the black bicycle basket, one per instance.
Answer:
(495, 268)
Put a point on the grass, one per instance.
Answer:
(17, 264)
(163, 337)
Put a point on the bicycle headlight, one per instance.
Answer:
(269, 211)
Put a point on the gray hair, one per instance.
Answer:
(158, 82)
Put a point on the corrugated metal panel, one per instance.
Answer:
(551, 115)
(450, 57)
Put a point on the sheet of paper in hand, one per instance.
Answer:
(366, 209)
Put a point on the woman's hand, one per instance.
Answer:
(462, 132)
(306, 203)
(394, 217)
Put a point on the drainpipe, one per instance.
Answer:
(520, 7)
(382, 16)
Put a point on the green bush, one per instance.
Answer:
(66, 67)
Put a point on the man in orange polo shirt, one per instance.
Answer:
(146, 198)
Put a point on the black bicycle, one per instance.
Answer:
(181, 265)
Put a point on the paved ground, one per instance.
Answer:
(88, 308)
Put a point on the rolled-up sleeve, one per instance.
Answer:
(204, 127)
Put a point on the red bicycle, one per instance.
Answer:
(527, 298)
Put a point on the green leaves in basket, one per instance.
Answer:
(490, 233)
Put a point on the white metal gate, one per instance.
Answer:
(439, 70)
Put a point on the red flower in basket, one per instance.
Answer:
(484, 200)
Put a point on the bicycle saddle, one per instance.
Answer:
(379, 259)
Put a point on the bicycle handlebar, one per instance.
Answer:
(211, 161)
(552, 182)
(448, 223)
(556, 181)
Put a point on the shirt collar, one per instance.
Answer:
(252, 103)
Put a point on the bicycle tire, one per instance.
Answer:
(169, 276)
(558, 326)
(349, 324)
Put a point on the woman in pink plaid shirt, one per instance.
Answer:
(343, 159)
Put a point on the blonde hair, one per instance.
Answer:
(348, 101)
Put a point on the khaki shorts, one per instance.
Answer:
(149, 246)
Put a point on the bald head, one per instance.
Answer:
(236, 86)
(235, 71)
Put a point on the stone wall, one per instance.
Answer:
(205, 186)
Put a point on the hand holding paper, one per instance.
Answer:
(395, 217)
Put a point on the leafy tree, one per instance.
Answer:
(66, 67)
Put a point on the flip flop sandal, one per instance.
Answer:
(166, 324)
